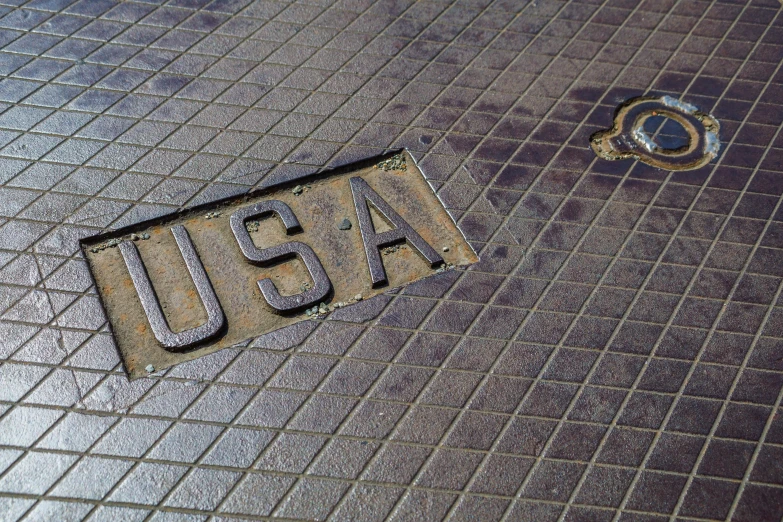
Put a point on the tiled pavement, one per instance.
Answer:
(617, 353)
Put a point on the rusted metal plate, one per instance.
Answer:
(188, 285)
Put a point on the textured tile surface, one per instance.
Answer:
(615, 355)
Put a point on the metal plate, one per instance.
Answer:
(198, 268)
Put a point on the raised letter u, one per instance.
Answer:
(149, 300)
